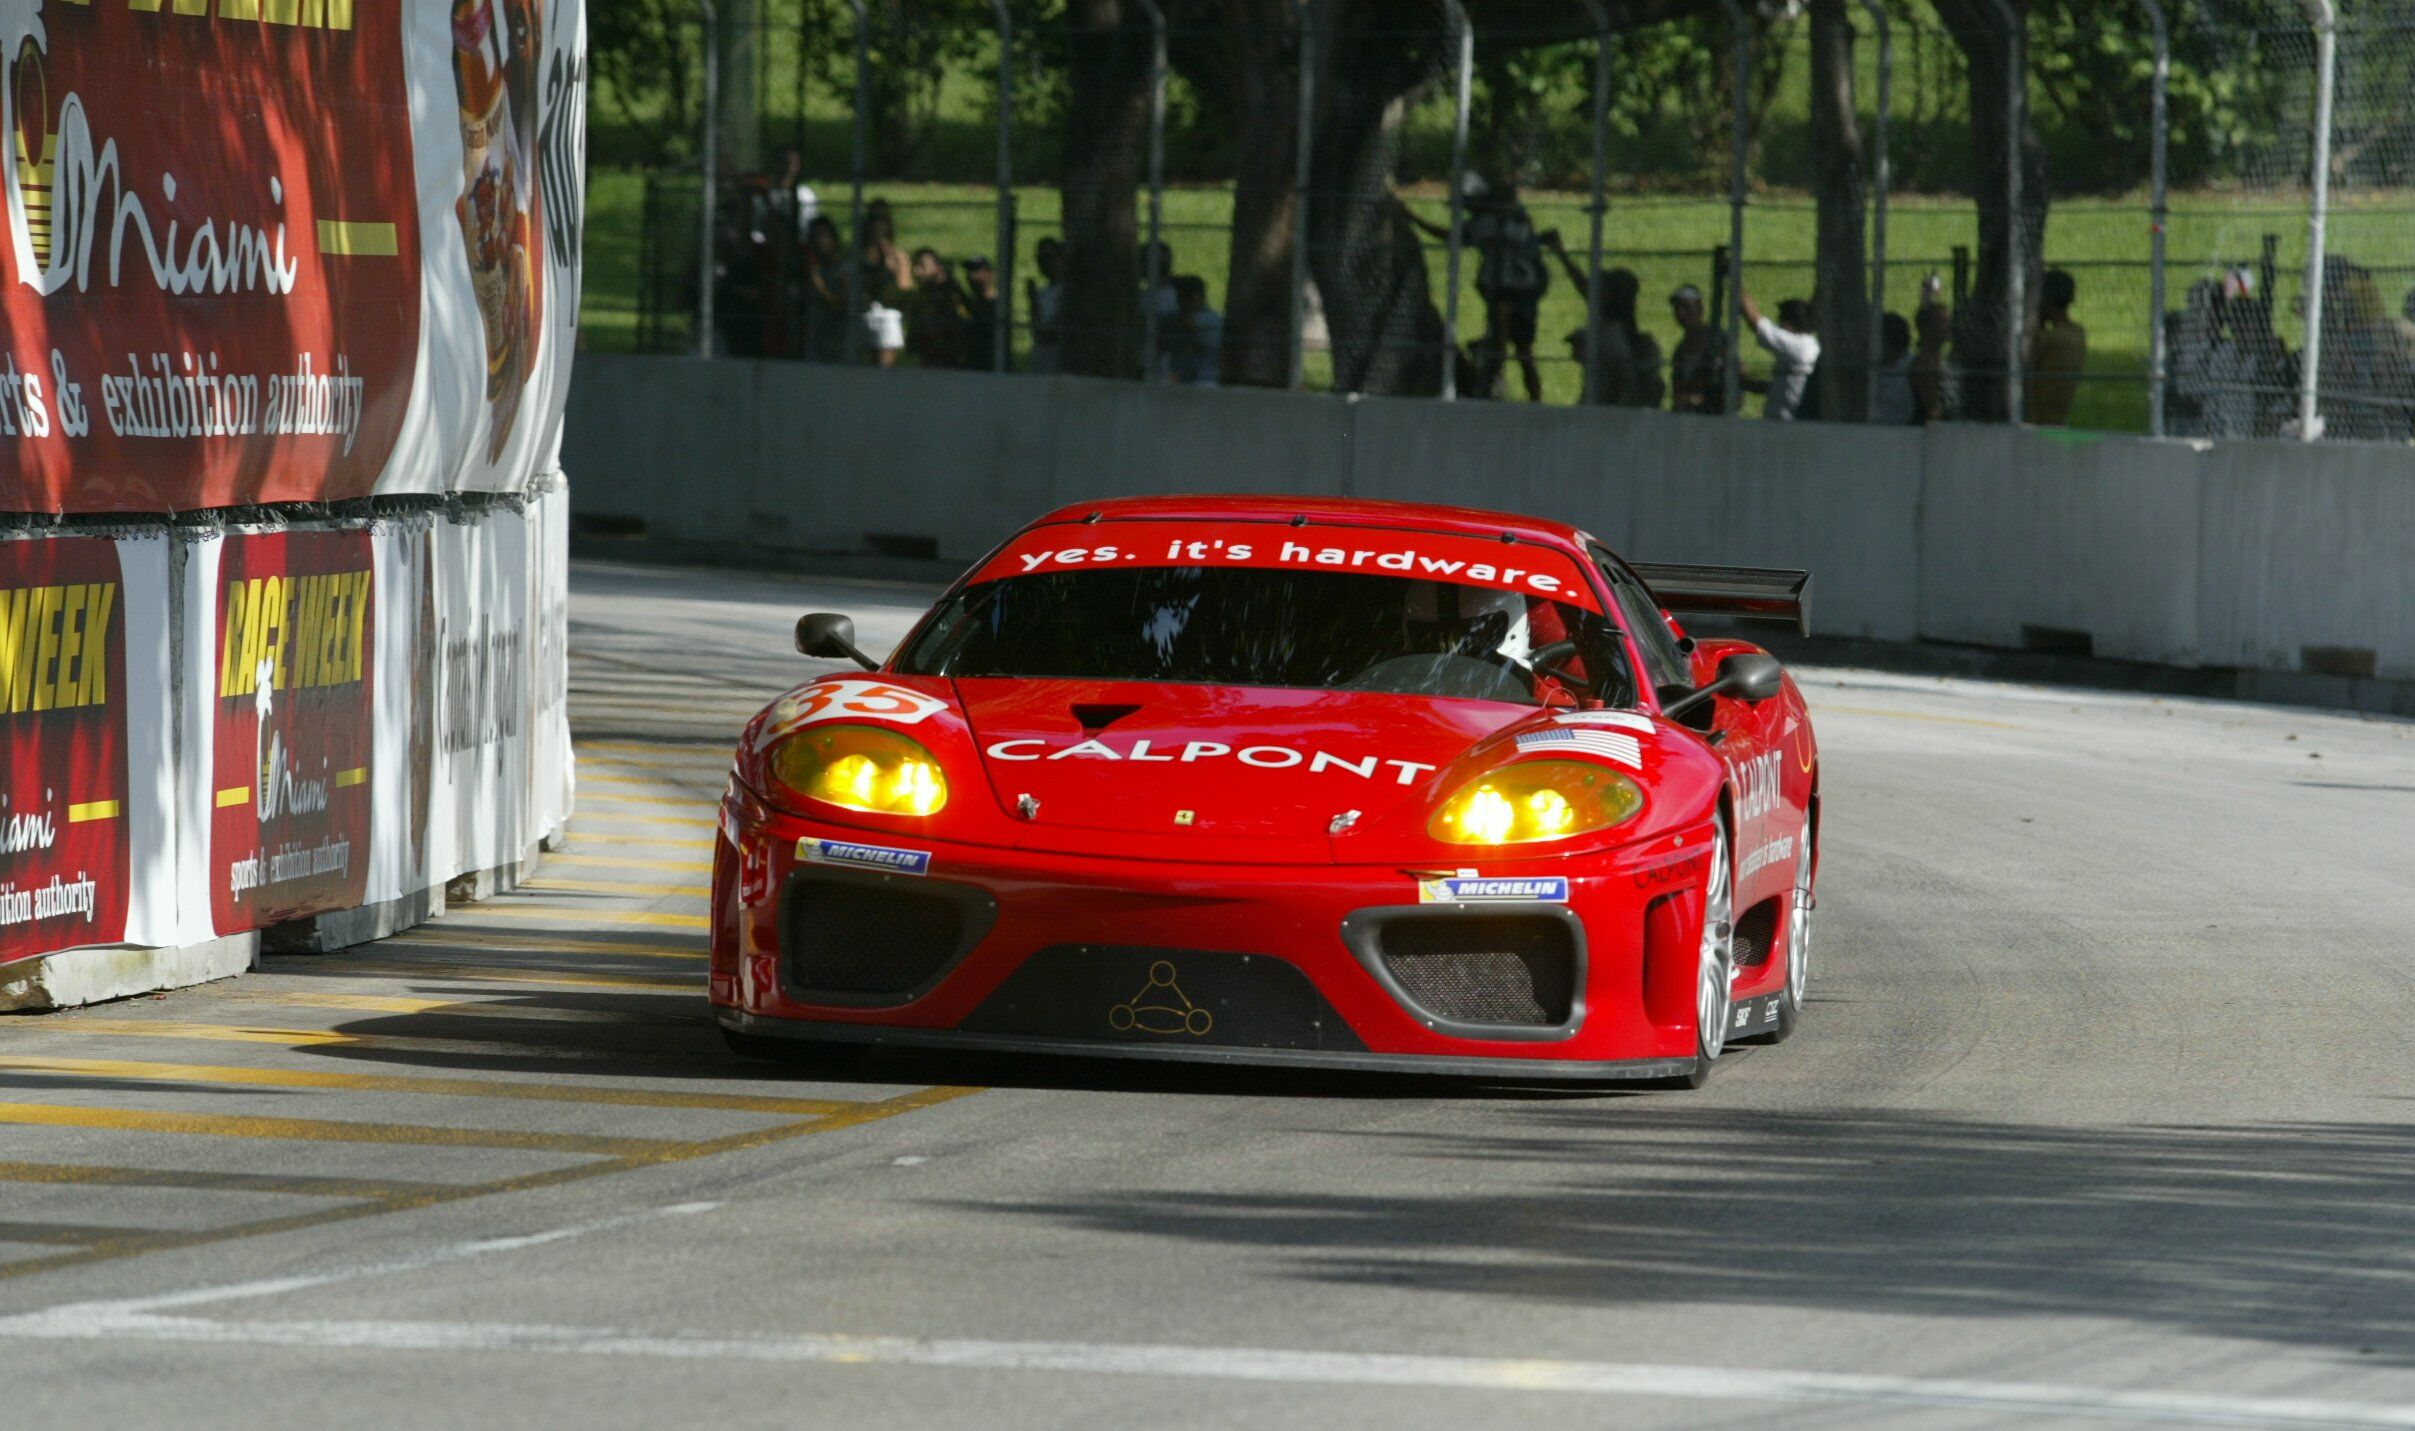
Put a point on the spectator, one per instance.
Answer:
(1161, 296)
(1936, 385)
(2368, 365)
(1047, 304)
(824, 279)
(1193, 342)
(1630, 369)
(1510, 275)
(1895, 407)
(2188, 336)
(791, 197)
(1698, 367)
(2058, 352)
(887, 276)
(981, 326)
(1794, 350)
(938, 313)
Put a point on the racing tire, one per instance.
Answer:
(802, 1054)
(1798, 942)
(1715, 980)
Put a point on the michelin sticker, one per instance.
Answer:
(1470, 889)
(864, 857)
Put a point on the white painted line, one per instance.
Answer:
(136, 1308)
(92, 1321)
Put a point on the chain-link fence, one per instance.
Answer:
(2206, 227)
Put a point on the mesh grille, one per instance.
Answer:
(1754, 934)
(1486, 969)
(859, 939)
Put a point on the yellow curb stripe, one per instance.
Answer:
(628, 862)
(605, 886)
(219, 1075)
(577, 915)
(443, 936)
(320, 1130)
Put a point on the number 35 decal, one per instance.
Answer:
(855, 698)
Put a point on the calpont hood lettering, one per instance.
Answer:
(1264, 757)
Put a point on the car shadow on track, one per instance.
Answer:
(2284, 1234)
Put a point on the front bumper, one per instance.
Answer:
(1209, 963)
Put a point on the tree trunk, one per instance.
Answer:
(1840, 294)
(1369, 263)
(1250, 58)
(1106, 143)
(1980, 329)
(739, 49)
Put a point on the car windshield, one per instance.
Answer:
(1347, 631)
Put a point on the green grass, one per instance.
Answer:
(1667, 242)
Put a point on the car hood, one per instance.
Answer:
(1212, 772)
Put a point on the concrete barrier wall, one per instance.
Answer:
(2270, 557)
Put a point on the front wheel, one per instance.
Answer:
(1715, 981)
(1798, 941)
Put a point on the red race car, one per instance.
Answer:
(1284, 781)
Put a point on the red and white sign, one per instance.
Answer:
(1371, 551)
(66, 808)
(308, 251)
(292, 718)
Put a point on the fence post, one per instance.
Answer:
(1004, 338)
(2158, 358)
(1740, 45)
(1463, 46)
(710, 143)
(859, 146)
(2016, 262)
(1305, 134)
(1878, 211)
(1598, 204)
(1157, 186)
(2318, 217)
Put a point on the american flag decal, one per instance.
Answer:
(1607, 745)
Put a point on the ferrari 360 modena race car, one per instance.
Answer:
(1284, 781)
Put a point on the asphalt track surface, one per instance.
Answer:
(2103, 1113)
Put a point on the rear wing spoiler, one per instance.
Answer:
(1740, 593)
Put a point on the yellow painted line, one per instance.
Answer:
(320, 1130)
(656, 1155)
(218, 1074)
(603, 886)
(593, 837)
(234, 795)
(449, 1008)
(718, 766)
(77, 814)
(685, 801)
(628, 862)
(578, 915)
(702, 820)
(340, 238)
(488, 974)
(85, 1175)
(444, 936)
(353, 776)
(1825, 709)
(224, 1033)
(648, 747)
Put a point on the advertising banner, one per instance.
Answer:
(65, 846)
(284, 250)
(292, 718)
(483, 714)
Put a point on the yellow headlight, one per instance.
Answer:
(860, 767)
(1536, 800)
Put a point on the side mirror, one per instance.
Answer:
(828, 634)
(1751, 676)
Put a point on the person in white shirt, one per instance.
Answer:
(1794, 350)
